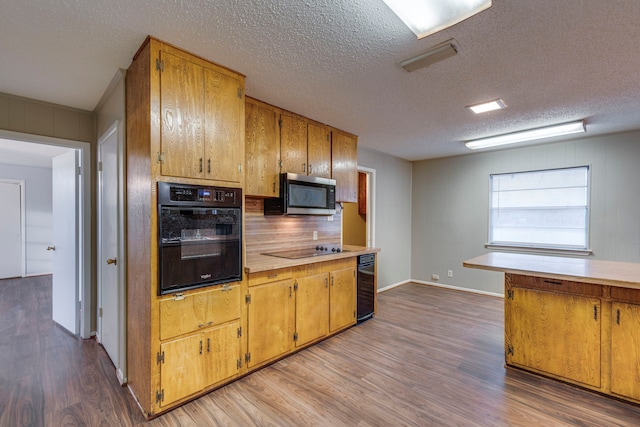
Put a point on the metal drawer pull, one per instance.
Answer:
(553, 282)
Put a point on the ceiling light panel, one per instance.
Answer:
(435, 54)
(527, 135)
(485, 107)
(425, 17)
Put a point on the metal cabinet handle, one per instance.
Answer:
(209, 166)
(112, 261)
(51, 248)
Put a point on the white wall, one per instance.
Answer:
(392, 215)
(451, 203)
(38, 221)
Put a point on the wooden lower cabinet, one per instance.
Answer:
(306, 305)
(555, 333)
(193, 363)
(583, 333)
(271, 309)
(312, 308)
(625, 350)
(342, 298)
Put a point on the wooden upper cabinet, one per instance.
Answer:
(262, 148)
(201, 118)
(344, 166)
(318, 151)
(182, 116)
(293, 144)
(224, 118)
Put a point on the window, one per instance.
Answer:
(546, 209)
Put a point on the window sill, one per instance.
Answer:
(532, 250)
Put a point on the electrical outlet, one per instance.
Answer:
(315, 235)
(450, 273)
(330, 218)
(435, 277)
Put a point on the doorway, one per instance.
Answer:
(80, 296)
(12, 250)
(358, 218)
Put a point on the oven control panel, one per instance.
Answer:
(198, 195)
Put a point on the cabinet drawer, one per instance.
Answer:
(554, 285)
(625, 295)
(262, 277)
(191, 312)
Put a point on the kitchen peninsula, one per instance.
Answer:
(573, 319)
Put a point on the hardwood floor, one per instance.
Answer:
(431, 357)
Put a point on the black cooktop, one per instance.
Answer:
(307, 252)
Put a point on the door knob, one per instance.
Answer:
(51, 248)
(112, 261)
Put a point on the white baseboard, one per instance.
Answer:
(441, 285)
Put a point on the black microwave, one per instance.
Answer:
(303, 195)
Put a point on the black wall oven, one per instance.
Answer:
(200, 230)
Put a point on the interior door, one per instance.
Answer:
(10, 230)
(108, 263)
(65, 293)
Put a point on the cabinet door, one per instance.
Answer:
(319, 151)
(262, 150)
(625, 350)
(182, 117)
(312, 308)
(271, 321)
(181, 373)
(342, 306)
(222, 347)
(224, 116)
(555, 333)
(293, 144)
(199, 310)
(344, 166)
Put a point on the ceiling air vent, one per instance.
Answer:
(437, 53)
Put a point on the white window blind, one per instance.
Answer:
(540, 209)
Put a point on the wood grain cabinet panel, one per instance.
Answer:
(271, 321)
(293, 144)
(312, 308)
(319, 150)
(193, 363)
(182, 116)
(342, 297)
(182, 371)
(344, 166)
(625, 350)
(202, 119)
(191, 312)
(262, 148)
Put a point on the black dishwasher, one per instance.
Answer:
(366, 284)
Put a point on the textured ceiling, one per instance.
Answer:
(336, 62)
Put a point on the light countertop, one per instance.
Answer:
(612, 273)
(256, 263)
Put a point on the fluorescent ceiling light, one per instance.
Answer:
(527, 135)
(498, 104)
(425, 17)
(437, 53)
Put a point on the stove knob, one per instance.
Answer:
(318, 248)
(338, 250)
(333, 249)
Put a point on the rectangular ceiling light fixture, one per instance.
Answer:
(497, 104)
(527, 135)
(437, 53)
(425, 17)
